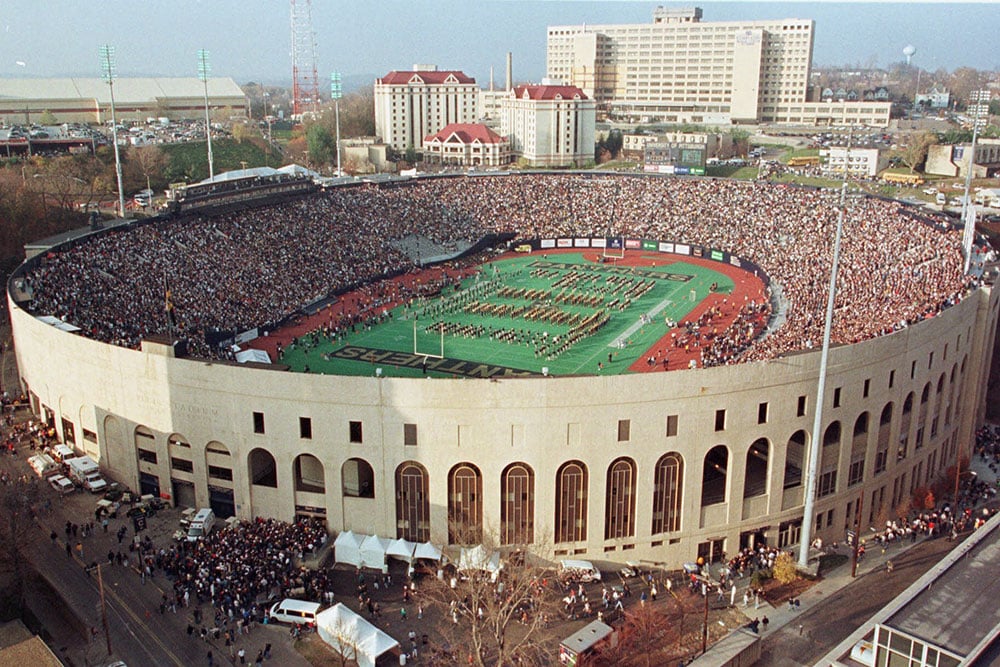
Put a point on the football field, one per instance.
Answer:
(522, 316)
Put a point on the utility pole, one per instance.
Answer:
(104, 610)
(857, 536)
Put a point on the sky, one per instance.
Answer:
(250, 40)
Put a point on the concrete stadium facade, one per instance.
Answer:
(655, 467)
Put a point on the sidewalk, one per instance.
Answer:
(834, 580)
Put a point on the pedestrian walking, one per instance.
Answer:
(242, 655)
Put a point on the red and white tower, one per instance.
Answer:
(305, 80)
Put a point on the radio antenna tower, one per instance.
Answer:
(305, 80)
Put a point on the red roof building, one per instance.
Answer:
(549, 125)
(467, 144)
(410, 105)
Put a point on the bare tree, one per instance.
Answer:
(18, 532)
(498, 617)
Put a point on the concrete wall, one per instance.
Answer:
(542, 422)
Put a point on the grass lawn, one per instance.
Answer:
(499, 320)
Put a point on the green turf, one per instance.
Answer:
(480, 356)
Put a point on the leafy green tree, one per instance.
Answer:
(320, 144)
(411, 155)
(741, 141)
(47, 118)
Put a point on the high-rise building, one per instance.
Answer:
(414, 104)
(680, 69)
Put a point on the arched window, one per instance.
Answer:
(831, 456)
(309, 474)
(465, 505)
(859, 447)
(619, 501)
(714, 474)
(357, 479)
(517, 504)
(263, 470)
(882, 447)
(904, 428)
(795, 452)
(413, 506)
(571, 502)
(755, 473)
(668, 482)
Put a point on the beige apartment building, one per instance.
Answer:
(414, 104)
(549, 126)
(682, 70)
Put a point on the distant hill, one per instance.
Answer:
(188, 162)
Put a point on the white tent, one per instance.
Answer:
(401, 550)
(254, 355)
(426, 551)
(477, 558)
(373, 551)
(347, 548)
(352, 636)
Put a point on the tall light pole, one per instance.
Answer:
(336, 92)
(203, 71)
(816, 445)
(267, 117)
(107, 54)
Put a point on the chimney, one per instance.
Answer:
(510, 72)
(491, 78)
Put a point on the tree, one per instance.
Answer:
(411, 156)
(320, 144)
(644, 640)
(17, 533)
(500, 621)
(149, 162)
(47, 118)
(914, 153)
(784, 568)
(741, 141)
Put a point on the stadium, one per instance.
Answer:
(622, 367)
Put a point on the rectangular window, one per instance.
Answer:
(624, 426)
(671, 425)
(305, 428)
(216, 472)
(762, 413)
(913, 369)
(89, 436)
(258, 422)
(892, 378)
(147, 456)
(355, 432)
(836, 397)
(819, 521)
(410, 435)
(827, 483)
(720, 420)
(183, 465)
(856, 473)
(800, 410)
(868, 386)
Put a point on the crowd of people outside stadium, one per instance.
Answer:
(243, 269)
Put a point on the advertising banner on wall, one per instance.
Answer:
(581, 243)
(547, 243)
(597, 243)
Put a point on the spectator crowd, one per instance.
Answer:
(243, 269)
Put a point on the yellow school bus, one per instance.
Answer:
(903, 179)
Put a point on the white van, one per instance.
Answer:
(295, 611)
(61, 484)
(201, 525)
(43, 465)
(583, 570)
(63, 452)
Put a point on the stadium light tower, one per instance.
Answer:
(203, 71)
(816, 443)
(336, 92)
(107, 54)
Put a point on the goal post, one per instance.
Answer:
(428, 355)
(614, 248)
